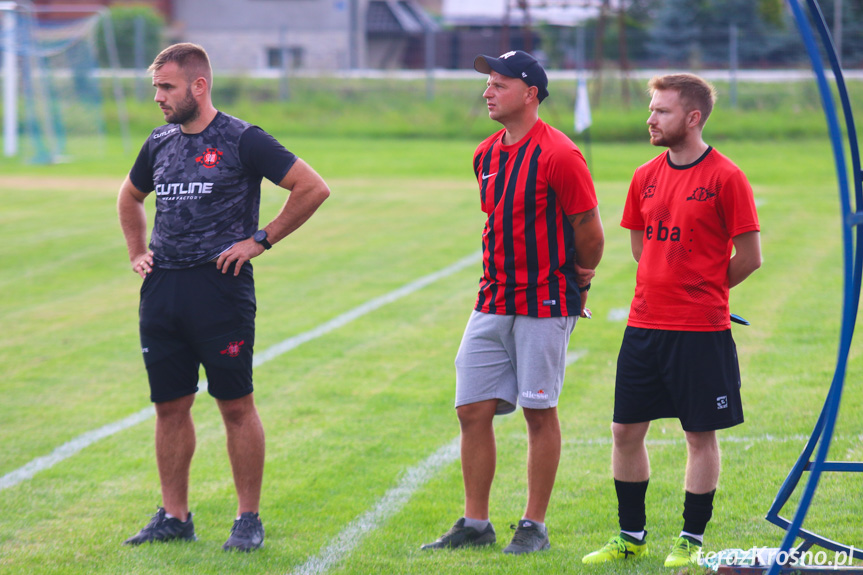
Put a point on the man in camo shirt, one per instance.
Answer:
(198, 294)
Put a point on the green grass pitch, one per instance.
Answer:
(350, 413)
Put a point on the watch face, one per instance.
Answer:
(261, 237)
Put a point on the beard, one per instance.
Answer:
(670, 138)
(186, 111)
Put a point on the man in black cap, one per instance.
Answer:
(541, 242)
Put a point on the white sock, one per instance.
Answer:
(699, 538)
(478, 524)
(639, 535)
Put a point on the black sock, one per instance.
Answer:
(630, 504)
(697, 511)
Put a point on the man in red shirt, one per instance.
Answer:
(687, 210)
(541, 242)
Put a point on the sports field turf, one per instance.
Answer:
(354, 415)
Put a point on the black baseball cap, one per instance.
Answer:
(516, 64)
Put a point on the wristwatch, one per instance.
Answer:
(261, 237)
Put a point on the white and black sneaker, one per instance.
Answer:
(528, 537)
(246, 534)
(461, 536)
(164, 528)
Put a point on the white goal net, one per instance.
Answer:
(54, 94)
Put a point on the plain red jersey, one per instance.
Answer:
(527, 189)
(689, 215)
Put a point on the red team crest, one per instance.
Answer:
(210, 158)
(233, 349)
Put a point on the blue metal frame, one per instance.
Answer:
(853, 272)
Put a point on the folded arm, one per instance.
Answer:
(589, 245)
(746, 258)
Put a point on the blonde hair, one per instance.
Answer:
(695, 92)
(192, 59)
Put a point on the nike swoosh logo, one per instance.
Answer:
(487, 176)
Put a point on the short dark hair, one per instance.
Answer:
(191, 58)
(695, 92)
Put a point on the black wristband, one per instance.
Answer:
(585, 288)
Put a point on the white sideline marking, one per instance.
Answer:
(618, 314)
(365, 308)
(391, 503)
(84, 440)
(574, 356)
(681, 440)
(72, 447)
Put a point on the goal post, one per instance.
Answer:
(10, 79)
(54, 104)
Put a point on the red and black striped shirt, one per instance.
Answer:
(527, 189)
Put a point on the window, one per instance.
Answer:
(276, 56)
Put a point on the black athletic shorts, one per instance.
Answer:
(198, 316)
(691, 375)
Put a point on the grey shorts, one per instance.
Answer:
(516, 359)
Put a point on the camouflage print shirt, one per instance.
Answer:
(208, 187)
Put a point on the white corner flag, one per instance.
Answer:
(582, 107)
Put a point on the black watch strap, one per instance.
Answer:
(261, 237)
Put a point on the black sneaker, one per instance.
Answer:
(246, 534)
(461, 536)
(528, 537)
(162, 528)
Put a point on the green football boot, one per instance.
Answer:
(684, 552)
(618, 547)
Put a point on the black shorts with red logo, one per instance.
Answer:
(691, 375)
(196, 316)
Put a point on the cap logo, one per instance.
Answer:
(507, 55)
(523, 75)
